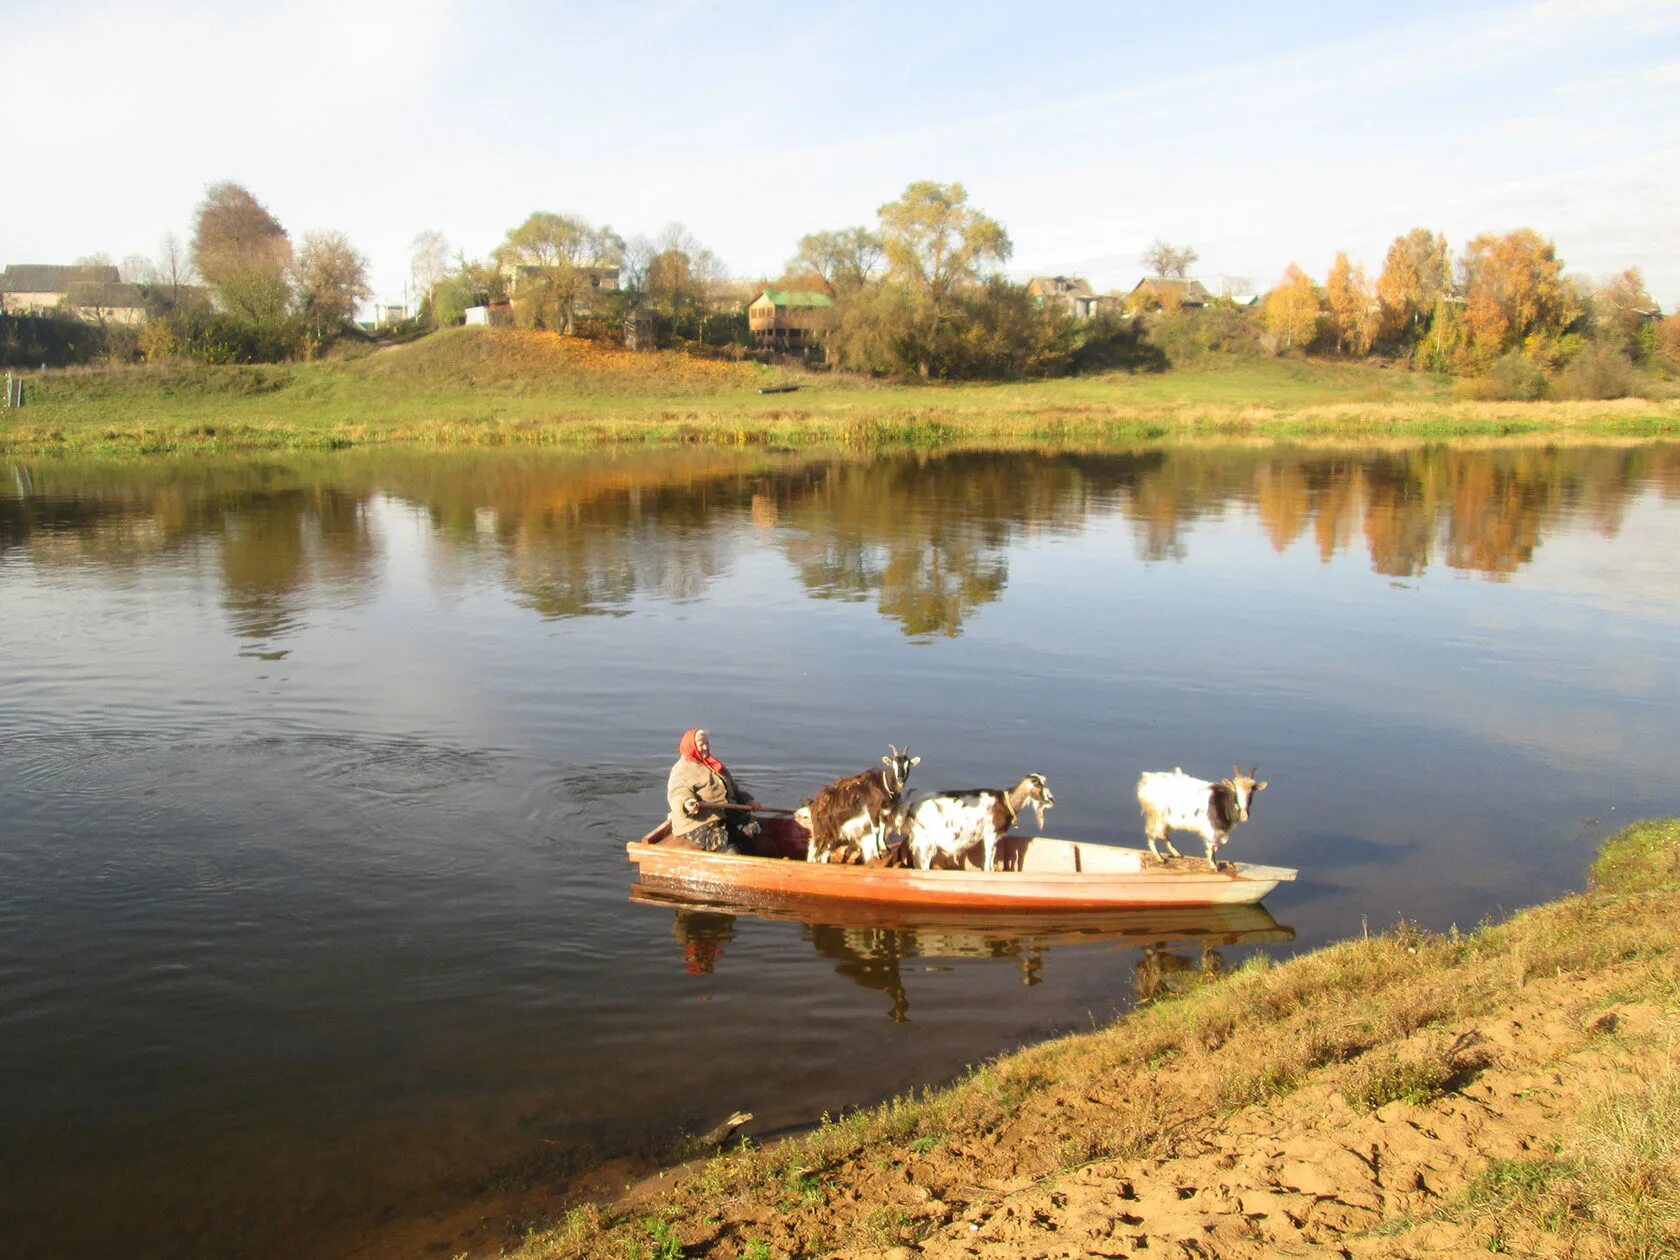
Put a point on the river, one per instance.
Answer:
(316, 774)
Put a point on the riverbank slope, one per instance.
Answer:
(485, 387)
(1514, 1088)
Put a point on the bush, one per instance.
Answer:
(1512, 378)
(1190, 334)
(1113, 341)
(48, 341)
(1597, 372)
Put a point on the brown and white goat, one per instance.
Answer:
(952, 823)
(1182, 803)
(855, 813)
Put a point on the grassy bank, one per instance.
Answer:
(1515, 1088)
(466, 387)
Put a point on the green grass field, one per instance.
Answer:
(464, 387)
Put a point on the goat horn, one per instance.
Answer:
(1253, 770)
(892, 748)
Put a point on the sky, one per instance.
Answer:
(1259, 135)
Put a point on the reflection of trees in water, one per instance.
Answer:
(277, 547)
(926, 537)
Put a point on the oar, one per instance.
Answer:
(751, 809)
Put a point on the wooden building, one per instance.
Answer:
(1072, 293)
(1168, 293)
(790, 319)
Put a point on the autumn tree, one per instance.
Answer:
(680, 281)
(1514, 294)
(844, 260)
(1291, 310)
(553, 263)
(331, 280)
(1347, 296)
(935, 244)
(1167, 260)
(243, 254)
(936, 247)
(1416, 275)
(1625, 315)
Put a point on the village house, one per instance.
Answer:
(1168, 292)
(1072, 293)
(790, 319)
(93, 293)
(602, 279)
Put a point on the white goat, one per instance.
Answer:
(1182, 803)
(952, 823)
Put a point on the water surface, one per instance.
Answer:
(316, 774)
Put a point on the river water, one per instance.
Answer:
(316, 772)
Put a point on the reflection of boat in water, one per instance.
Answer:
(868, 943)
(1035, 874)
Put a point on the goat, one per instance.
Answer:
(856, 812)
(1185, 804)
(952, 823)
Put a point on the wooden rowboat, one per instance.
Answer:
(1034, 873)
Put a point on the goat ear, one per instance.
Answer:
(886, 761)
(1261, 786)
(915, 761)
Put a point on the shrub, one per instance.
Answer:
(1512, 378)
(1597, 372)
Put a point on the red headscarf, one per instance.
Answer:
(689, 749)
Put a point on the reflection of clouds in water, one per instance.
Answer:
(1644, 580)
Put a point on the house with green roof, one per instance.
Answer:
(790, 319)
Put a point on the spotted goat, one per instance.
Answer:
(953, 823)
(854, 814)
(1178, 802)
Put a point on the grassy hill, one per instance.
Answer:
(480, 386)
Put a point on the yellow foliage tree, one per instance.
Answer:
(1514, 294)
(1347, 294)
(1415, 276)
(1292, 310)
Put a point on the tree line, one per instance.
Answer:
(1504, 313)
(921, 294)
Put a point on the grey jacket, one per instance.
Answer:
(693, 780)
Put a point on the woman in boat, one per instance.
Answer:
(698, 788)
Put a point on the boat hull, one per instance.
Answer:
(1035, 874)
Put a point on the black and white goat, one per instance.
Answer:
(855, 813)
(952, 823)
(1182, 803)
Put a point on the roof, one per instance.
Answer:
(1184, 290)
(1072, 286)
(50, 278)
(794, 297)
(112, 295)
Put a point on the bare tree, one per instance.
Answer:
(1166, 260)
(428, 263)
